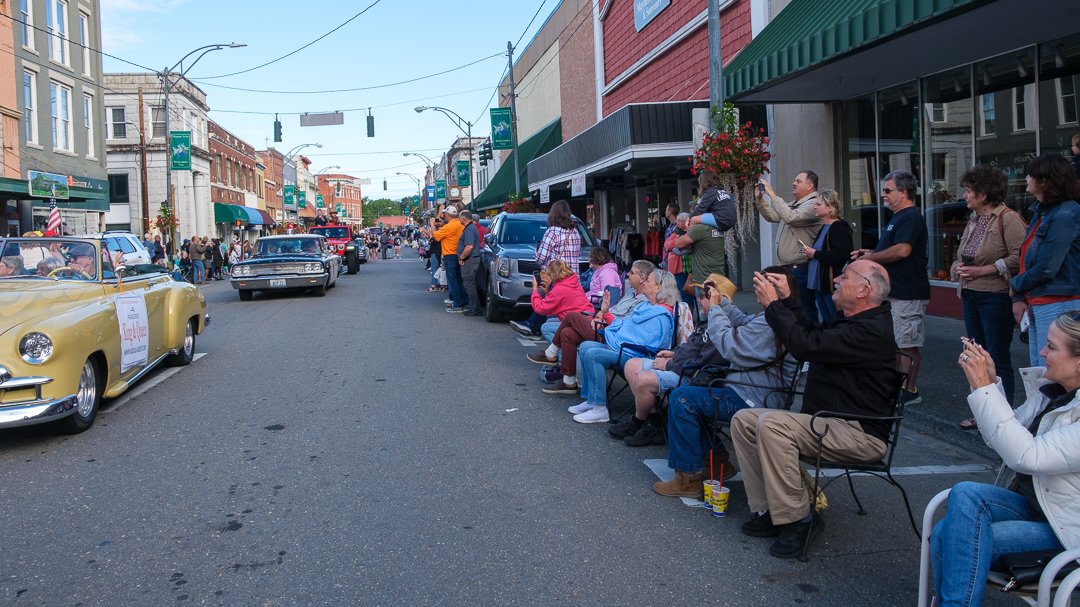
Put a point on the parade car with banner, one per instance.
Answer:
(80, 325)
(287, 261)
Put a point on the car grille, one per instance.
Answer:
(281, 268)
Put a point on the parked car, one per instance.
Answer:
(287, 261)
(340, 237)
(78, 329)
(509, 261)
(124, 246)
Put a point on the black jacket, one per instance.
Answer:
(852, 361)
(834, 254)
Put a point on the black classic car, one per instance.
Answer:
(292, 261)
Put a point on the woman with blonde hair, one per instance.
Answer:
(831, 249)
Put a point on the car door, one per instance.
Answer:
(152, 287)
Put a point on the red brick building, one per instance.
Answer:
(273, 178)
(339, 188)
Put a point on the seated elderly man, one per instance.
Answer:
(760, 368)
(852, 371)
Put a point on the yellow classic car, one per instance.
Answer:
(77, 326)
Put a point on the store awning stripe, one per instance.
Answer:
(502, 183)
(229, 213)
(809, 33)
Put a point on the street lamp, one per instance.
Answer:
(467, 129)
(288, 157)
(166, 77)
(419, 185)
(429, 162)
(323, 170)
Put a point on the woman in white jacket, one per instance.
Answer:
(1039, 443)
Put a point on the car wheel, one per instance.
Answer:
(88, 398)
(491, 310)
(320, 290)
(354, 264)
(186, 354)
(245, 294)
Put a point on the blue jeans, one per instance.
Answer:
(680, 281)
(434, 268)
(806, 296)
(198, 270)
(825, 305)
(453, 280)
(1043, 317)
(549, 328)
(594, 359)
(983, 523)
(535, 321)
(989, 321)
(687, 440)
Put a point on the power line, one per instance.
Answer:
(352, 90)
(341, 25)
(568, 39)
(357, 109)
(374, 153)
(522, 36)
(78, 44)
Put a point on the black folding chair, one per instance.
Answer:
(882, 468)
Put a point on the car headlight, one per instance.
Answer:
(241, 271)
(313, 268)
(504, 267)
(35, 348)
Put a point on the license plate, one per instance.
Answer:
(277, 282)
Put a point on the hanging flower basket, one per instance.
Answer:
(518, 204)
(166, 220)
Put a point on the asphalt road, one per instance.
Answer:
(366, 448)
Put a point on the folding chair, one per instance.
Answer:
(882, 468)
(638, 351)
(1053, 583)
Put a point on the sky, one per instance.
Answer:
(393, 41)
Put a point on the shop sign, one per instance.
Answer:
(430, 191)
(48, 185)
(502, 137)
(545, 194)
(647, 10)
(577, 184)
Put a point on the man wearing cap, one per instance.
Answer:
(799, 224)
(448, 235)
(81, 259)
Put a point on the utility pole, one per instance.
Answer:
(145, 189)
(513, 115)
(716, 69)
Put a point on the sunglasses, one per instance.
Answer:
(887, 191)
(846, 268)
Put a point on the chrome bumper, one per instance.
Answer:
(35, 411)
(292, 281)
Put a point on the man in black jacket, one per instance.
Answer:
(852, 370)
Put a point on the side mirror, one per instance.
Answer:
(489, 238)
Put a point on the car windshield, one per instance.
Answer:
(331, 232)
(57, 258)
(530, 231)
(288, 246)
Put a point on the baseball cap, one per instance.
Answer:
(81, 250)
(451, 210)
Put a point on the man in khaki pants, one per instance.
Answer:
(852, 371)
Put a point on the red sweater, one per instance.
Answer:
(566, 296)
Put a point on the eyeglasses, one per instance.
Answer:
(887, 191)
(847, 268)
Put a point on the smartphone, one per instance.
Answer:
(536, 278)
(761, 187)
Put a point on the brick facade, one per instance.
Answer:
(577, 74)
(232, 167)
(339, 188)
(273, 160)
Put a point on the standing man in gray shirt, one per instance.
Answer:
(468, 253)
(798, 224)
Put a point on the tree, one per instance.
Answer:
(379, 207)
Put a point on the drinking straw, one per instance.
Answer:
(721, 475)
(710, 465)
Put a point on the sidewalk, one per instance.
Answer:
(942, 384)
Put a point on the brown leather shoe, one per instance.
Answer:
(540, 357)
(685, 484)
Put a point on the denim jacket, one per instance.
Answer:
(1052, 262)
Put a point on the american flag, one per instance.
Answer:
(53, 225)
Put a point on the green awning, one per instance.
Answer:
(811, 33)
(501, 185)
(229, 213)
(88, 195)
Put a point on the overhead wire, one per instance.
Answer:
(520, 38)
(357, 109)
(289, 54)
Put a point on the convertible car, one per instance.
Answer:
(79, 326)
(288, 261)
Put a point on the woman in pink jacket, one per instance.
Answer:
(564, 293)
(605, 274)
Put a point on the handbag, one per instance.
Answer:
(1025, 568)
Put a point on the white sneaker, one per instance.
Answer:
(583, 407)
(593, 416)
(448, 301)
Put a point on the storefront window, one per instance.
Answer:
(947, 139)
(1005, 135)
(859, 189)
(1059, 80)
(898, 128)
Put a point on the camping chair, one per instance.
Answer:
(1050, 584)
(639, 351)
(882, 468)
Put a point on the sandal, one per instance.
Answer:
(969, 424)
(432, 289)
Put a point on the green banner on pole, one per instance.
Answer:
(180, 150)
(502, 137)
(301, 199)
(464, 174)
(290, 194)
(319, 204)
(440, 189)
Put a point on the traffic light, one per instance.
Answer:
(370, 124)
(384, 185)
(277, 129)
(484, 153)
